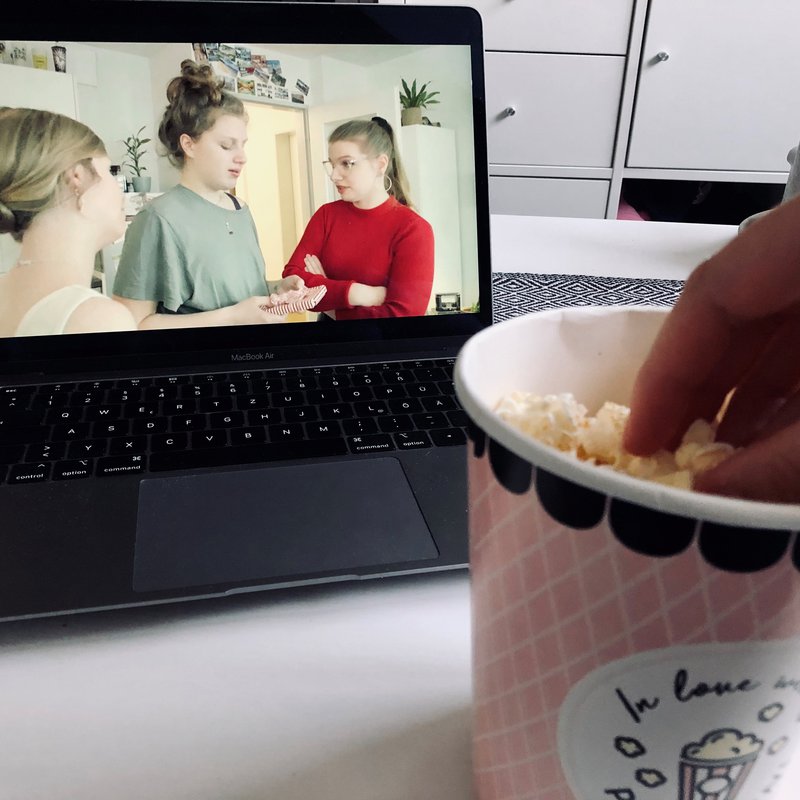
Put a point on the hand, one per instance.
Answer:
(250, 312)
(734, 333)
(314, 266)
(362, 295)
(291, 283)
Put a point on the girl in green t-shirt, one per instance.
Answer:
(191, 257)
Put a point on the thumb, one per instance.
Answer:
(767, 470)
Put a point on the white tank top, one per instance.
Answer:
(51, 314)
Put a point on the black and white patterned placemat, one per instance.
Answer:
(518, 293)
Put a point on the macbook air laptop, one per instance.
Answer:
(158, 465)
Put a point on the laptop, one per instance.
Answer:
(316, 450)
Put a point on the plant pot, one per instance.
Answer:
(411, 116)
(141, 183)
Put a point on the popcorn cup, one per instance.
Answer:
(630, 640)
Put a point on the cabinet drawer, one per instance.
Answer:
(718, 86)
(548, 197)
(565, 108)
(551, 26)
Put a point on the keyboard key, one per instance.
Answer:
(248, 436)
(47, 451)
(336, 381)
(301, 383)
(124, 445)
(60, 416)
(206, 405)
(70, 470)
(171, 408)
(142, 427)
(448, 437)
(267, 416)
(29, 473)
(71, 433)
(428, 421)
(209, 438)
(395, 422)
(320, 396)
(87, 448)
(194, 390)
(414, 440)
(423, 389)
(323, 430)
(355, 427)
(169, 441)
(372, 409)
(228, 419)
(336, 411)
(286, 399)
(365, 378)
(370, 444)
(354, 394)
(389, 392)
(95, 413)
(227, 456)
(120, 465)
(438, 403)
(404, 406)
(288, 432)
(300, 414)
(121, 427)
(189, 422)
(139, 410)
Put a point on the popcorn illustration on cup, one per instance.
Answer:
(718, 765)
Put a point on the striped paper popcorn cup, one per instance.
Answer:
(630, 640)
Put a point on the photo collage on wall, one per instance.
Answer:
(248, 73)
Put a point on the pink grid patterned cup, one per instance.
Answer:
(616, 622)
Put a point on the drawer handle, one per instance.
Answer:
(662, 55)
(509, 111)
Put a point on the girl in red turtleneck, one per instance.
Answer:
(370, 249)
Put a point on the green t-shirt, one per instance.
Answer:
(188, 255)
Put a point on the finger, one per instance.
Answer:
(753, 277)
(772, 379)
(767, 470)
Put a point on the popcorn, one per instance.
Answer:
(560, 421)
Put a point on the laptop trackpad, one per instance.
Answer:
(276, 522)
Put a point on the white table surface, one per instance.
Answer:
(336, 692)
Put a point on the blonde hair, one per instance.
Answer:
(376, 137)
(36, 150)
(195, 100)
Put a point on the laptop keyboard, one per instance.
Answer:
(68, 431)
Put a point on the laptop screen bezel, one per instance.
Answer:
(277, 23)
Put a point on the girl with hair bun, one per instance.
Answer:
(191, 256)
(371, 251)
(59, 199)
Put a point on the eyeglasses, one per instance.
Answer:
(344, 165)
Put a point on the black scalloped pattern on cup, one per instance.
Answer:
(477, 437)
(742, 549)
(512, 472)
(640, 529)
(568, 503)
(650, 532)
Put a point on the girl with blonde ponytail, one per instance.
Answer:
(370, 249)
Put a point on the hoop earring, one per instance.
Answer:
(385, 187)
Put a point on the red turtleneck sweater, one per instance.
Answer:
(390, 246)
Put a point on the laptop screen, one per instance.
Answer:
(316, 176)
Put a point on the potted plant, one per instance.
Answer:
(134, 152)
(413, 100)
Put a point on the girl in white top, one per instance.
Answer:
(59, 199)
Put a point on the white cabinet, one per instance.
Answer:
(551, 26)
(718, 86)
(534, 119)
(582, 94)
(548, 197)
